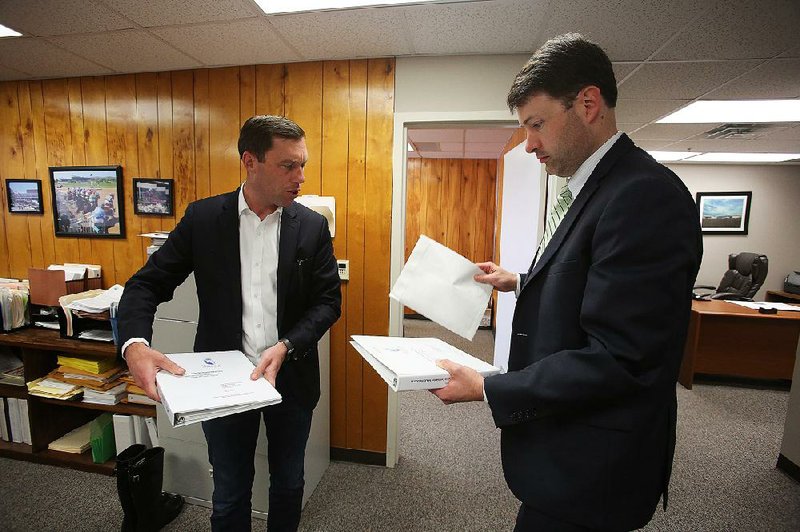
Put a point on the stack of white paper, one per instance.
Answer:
(215, 384)
(410, 363)
(438, 283)
(98, 303)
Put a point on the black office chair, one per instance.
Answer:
(746, 274)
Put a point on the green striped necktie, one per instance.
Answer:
(557, 213)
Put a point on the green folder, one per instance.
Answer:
(102, 438)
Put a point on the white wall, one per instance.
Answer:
(774, 228)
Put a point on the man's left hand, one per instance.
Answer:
(271, 360)
(465, 384)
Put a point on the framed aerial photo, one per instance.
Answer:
(88, 201)
(24, 196)
(724, 212)
(152, 196)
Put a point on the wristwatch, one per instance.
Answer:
(288, 344)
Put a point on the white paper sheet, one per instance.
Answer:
(438, 283)
(755, 305)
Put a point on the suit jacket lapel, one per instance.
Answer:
(623, 145)
(228, 223)
(287, 252)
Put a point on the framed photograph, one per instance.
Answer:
(152, 196)
(724, 212)
(87, 201)
(24, 196)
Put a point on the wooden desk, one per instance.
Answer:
(780, 296)
(731, 340)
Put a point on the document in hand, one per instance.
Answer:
(410, 363)
(437, 282)
(215, 384)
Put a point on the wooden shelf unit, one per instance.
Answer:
(49, 418)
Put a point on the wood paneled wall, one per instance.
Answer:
(184, 126)
(453, 202)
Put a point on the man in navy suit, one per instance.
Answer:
(587, 410)
(267, 284)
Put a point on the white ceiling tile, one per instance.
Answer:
(48, 17)
(500, 134)
(436, 135)
(623, 69)
(785, 133)
(733, 145)
(160, 13)
(241, 42)
(734, 29)
(441, 154)
(413, 155)
(628, 127)
(41, 59)
(651, 144)
(484, 146)
(127, 51)
(8, 74)
(683, 81)
(639, 28)
(483, 154)
(673, 132)
(345, 34)
(501, 26)
(643, 111)
(451, 146)
(776, 79)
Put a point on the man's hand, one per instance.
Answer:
(144, 363)
(270, 362)
(465, 384)
(496, 276)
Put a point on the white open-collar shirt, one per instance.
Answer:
(259, 242)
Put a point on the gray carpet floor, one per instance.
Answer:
(449, 477)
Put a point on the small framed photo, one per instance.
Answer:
(24, 196)
(724, 212)
(87, 201)
(152, 196)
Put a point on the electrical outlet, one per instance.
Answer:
(344, 269)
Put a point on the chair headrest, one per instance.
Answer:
(744, 262)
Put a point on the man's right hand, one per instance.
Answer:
(144, 363)
(496, 276)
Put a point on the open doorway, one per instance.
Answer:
(452, 197)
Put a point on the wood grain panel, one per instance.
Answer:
(380, 110)
(351, 435)
(335, 126)
(303, 86)
(184, 126)
(223, 129)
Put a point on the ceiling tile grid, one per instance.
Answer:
(40, 59)
(149, 13)
(51, 17)
(127, 51)
(775, 79)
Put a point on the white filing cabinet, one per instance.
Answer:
(186, 467)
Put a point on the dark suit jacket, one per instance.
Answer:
(588, 407)
(206, 241)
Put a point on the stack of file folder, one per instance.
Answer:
(51, 388)
(94, 366)
(215, 384)
(77, 441)
(410, 363)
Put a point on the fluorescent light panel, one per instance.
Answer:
(744, 157)
(274, 7)
(744, 111)
(8, 32)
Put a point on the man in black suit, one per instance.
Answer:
(267, 284)
(588, 408)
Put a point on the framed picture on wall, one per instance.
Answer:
(152, 196)
(24, 196)
(724, 212)
(88, 201)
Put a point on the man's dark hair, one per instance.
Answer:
(561, 68)
(257, 133)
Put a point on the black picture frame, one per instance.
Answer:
(24, 196)
(153, 197)
(724, 213)
(88, 201)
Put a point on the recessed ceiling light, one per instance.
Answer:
(274, 7)
(671, 155)
(714, 111)
(8, 32)
(744, 157)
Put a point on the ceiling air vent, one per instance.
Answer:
(736, 131)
